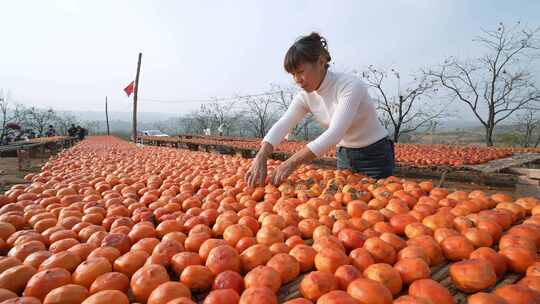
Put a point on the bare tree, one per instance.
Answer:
(432, 129)
(63, 121)
(176, 125)
(499, 83)
(528, 123)
(404, 111)
(221, 113)
(171, 126)
(4, 119)
(39, 119)
(161, 125)
(5, 115)
(195, 122)
(283, 102)
(93, 126)
(259, 113)
(17, 114)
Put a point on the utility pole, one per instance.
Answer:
(107, 116)
(135, 99)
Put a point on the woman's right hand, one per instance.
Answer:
(257, 172)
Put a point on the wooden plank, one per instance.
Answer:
(15, 147)
(530, 173)
(523, 190)
(517, 159)
(480, 178)
(524, 180)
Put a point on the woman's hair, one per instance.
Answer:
(306, 49)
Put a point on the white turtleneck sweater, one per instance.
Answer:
(341, 105)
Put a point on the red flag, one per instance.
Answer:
(129, 89)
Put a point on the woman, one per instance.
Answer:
(341, 104)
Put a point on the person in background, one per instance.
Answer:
(81, 132)
(51, 131)
(220, 129)
(9, 138)
(72, 131)
(341, 104)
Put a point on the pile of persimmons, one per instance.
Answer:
(407, 154)
(109, 222)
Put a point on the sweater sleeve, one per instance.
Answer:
(349, 99)
(296, 111)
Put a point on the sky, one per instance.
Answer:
(70, 54)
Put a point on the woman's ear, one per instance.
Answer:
(322, 61)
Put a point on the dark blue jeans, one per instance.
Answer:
(375, 160)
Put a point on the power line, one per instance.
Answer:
(209, 100)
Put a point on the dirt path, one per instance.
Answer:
(10, 174)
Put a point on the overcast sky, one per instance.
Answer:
(70, 54)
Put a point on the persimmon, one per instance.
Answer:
(345, 274)
(412, 269)
(197, 277)
(110, 281)
(146, 279)
(229, 280)
(317, 283)
(498, 261)
(16, 278)
(330, 259)
(473, 275)
(263, 276)
(369, 291)
(431, 291)
(44, 281)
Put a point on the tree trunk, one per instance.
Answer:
(396, 137)
(396, 134)
(537, 142)
(489, 135)
(528, 137)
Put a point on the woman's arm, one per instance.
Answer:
(266, 150)
(258, 170)
(296, 111)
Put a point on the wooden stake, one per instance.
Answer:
(135, 99)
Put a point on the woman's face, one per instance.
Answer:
(309, 75)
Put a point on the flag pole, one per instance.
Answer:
(135, 99)
(107, 116)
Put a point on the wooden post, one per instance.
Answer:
(107, 116)
(135, 99)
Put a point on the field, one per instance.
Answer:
(111, 221)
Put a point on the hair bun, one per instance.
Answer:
(317, 37)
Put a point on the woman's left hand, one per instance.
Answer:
(282, 172)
